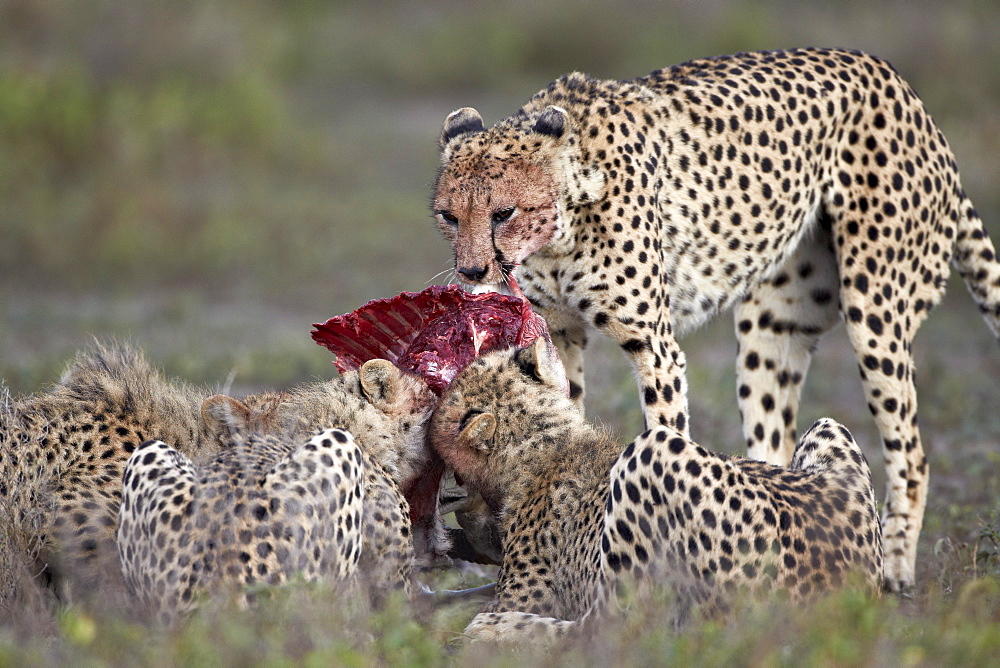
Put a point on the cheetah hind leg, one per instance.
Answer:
(887, 375)
(156, 476)
(778, 326)
(327, 473)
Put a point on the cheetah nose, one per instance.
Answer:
(473, 273)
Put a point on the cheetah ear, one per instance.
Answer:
(584, 183)
(478, 431)
(541, 362)
(379, 381)
(459, 122)
(222, 414)
(552, 122)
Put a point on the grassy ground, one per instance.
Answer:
(208, 179)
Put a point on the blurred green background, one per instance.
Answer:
(208, 179)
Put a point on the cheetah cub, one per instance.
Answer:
(579, 514)
(62, 455)
(290, 495)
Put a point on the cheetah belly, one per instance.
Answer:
(706, 277)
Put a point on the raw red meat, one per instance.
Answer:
(433, 333)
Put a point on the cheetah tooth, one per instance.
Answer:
(479, 289)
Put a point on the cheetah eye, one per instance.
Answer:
(503, 215)
(448, 217)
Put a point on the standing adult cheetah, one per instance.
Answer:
(794, 185)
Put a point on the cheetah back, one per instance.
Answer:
(259, 513)
(710, 525)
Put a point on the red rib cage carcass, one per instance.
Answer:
(433, 333)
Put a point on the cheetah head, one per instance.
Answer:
(407, 401)
(395, 408)
(495, 412)
(503, 194)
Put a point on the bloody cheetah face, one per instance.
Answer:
(494, 222)
(492, 410)
(497, 195)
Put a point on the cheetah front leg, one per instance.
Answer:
(570, 341)
(778, 325)
(656, 358)
(566, 323)
(659, 366)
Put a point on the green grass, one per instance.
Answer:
(208, 179)
(309, 625)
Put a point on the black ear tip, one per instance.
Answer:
(459, 122)
(552, 122)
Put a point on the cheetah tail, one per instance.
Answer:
(976, 260)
